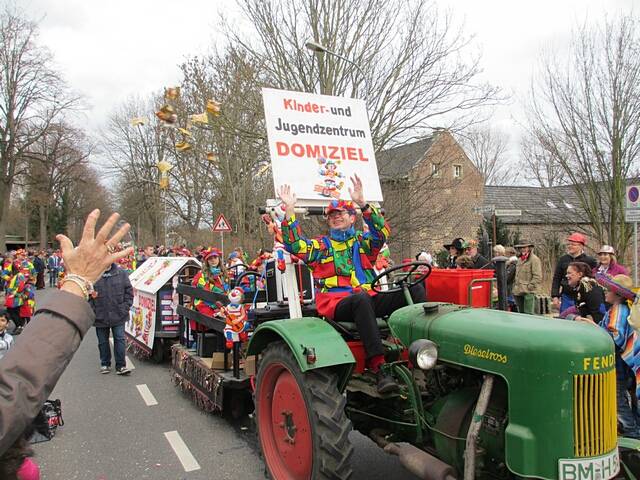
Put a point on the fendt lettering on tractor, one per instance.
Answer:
(485, 394)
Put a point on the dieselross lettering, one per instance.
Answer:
(487, 354)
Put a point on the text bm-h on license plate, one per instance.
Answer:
(597, 468)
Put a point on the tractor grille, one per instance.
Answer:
(594, 414)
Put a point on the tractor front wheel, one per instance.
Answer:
(302, 426)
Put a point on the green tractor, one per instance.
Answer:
(485, 394)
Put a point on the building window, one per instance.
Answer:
(457, 171)
(435, 170)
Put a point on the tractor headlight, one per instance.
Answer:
(423, 354)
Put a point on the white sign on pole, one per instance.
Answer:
(221, 225)
(507, 213)
(317, 142)
(632, 215)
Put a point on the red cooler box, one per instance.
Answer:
(451, 286)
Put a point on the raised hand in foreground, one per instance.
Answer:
(94, 254)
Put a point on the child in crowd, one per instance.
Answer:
(6, 339)
(213, 278)
(618, 293)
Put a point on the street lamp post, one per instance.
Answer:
(318, 48)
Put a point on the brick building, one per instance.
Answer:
(431, 191)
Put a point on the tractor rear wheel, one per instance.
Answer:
(302, 426)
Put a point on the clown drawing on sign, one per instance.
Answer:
(330, 175)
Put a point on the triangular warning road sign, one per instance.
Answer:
(221, 225)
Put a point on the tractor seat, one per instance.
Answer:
(350, 330)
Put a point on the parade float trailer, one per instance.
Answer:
(153, 319)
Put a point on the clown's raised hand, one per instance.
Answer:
(285, 193)
(356, 192)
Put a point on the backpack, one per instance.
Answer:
(47, 421)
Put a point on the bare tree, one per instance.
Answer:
(51, 165)
(78, 196)
(586, 116)
(540, 166)
(487, 147)
(416, 70)
(32, 97)
(134, 152)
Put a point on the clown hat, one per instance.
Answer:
(621, 285)
(340, 206)
(210, 252)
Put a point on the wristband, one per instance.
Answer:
(85, 285)
(365, 208)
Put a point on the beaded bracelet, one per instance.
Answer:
(85, 285)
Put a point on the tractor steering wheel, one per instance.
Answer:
(246, 273)
(235, 271)
(401, 280)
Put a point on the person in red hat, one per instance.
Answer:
(562, 296)
(342, 263)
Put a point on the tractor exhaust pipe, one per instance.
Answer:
(474, 428)
(420, 463)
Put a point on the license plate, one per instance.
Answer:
(595, 468)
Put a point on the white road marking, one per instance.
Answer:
(146, 394)
(182, 451)
(128, 363)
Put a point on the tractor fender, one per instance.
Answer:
(302, 334)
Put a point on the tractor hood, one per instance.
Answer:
(497, 341)
(546, 364)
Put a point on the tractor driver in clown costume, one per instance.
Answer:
(342, 264)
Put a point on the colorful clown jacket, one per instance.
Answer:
(340, 266)
(216, 284)
(626, 339)
(19, 291)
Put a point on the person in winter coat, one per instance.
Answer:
(563, 297)
(607, 263)
(471, 249)
(111, 304)
(54, 264)
(528, 278)
(589, 296)
(38, 264)
(342, 265)
(455, 249)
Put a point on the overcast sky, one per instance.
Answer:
(111, 49)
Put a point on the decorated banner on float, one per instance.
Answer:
(317, 142)
(156, 271)
(142, 318)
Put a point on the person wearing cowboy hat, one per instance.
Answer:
(562, 296)
(528, 278)
(455, 249)
(342, 263)
(607, 262)
(619, 295)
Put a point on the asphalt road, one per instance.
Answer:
(111, 433)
